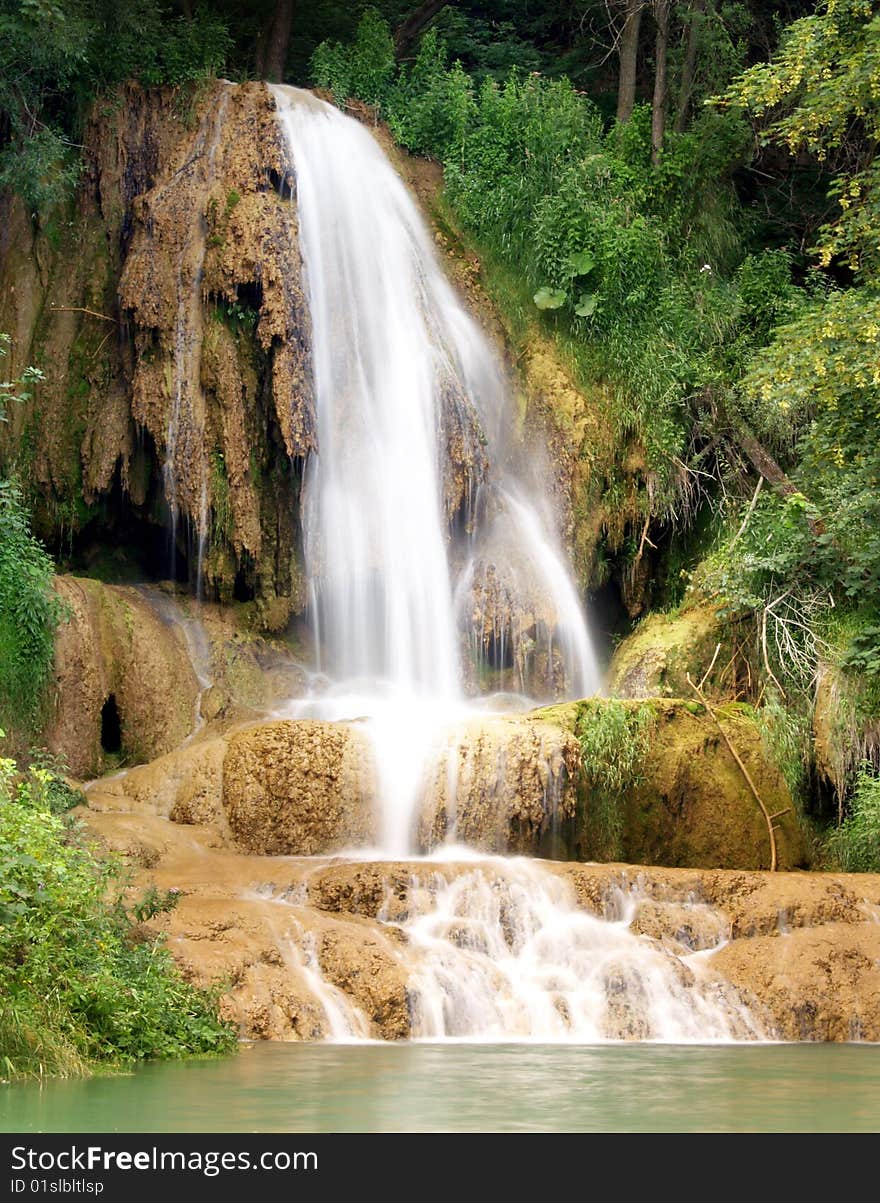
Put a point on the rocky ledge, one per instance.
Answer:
(282, 933)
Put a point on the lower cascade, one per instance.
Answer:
(505, 954)
(499, 951)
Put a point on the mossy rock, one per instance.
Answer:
(687, 802)
(114, 656)
(654, 661)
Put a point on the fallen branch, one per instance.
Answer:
(770, 672)
(644, 540)
(752, 504)
(745, 772)
(711, 666)
(79, 309)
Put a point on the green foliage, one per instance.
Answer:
(786, 735)
(431, 108)
(238, 315)
(855, 845)
(222, 517)
(29, 613)
(811, 385)
(629, 261)
(820, 91)
(549, 298)
(364, 68)
(614, 739)
(18, 390)
(816, 386)
(57, 55)
(80, 983)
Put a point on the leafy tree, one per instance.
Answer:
(56, 55)
(28, 609)
(819, 94)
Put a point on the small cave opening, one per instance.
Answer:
(284, 183)
(111, 727)
(609, 620)
(243, 589)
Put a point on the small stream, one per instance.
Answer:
(468, 1088)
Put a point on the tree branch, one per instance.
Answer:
(745, 772)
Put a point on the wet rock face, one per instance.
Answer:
(170, 321)
(521, 784)
(503, 785)
(799, 948)
(299, 788)
(212, 284)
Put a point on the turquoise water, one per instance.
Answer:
(472, 1088)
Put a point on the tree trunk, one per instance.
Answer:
(763, 462)
(658, 109)
(278, 42)
(408, 33)
(698, 7)
(628, 52)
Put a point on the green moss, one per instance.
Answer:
(221, 502)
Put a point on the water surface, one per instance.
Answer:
(473, 1088)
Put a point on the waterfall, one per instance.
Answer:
(433, 563)
(411, 502)
(185, 452)
(503, 953)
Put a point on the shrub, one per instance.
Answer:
(80, 983)
(29, 614)
(614, 739)
(855, 845)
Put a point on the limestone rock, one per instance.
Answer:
(299, 788)
(503, 785)
(112, 650)
(689, 803)
(802, 946)
(820, 983)
(655, 659)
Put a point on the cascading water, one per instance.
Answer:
(504, 953)
(410, 405)
(185, 431)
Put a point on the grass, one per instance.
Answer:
(614, 739)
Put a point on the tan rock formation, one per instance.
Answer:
(519, 784)
(299, 788)
(801, 947)
(688, 802)
(112, 645)
(503, 785)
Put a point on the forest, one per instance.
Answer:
(681, 198)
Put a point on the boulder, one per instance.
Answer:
(503, 785)
(522, 785)
(299, 788)
(655, 659)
